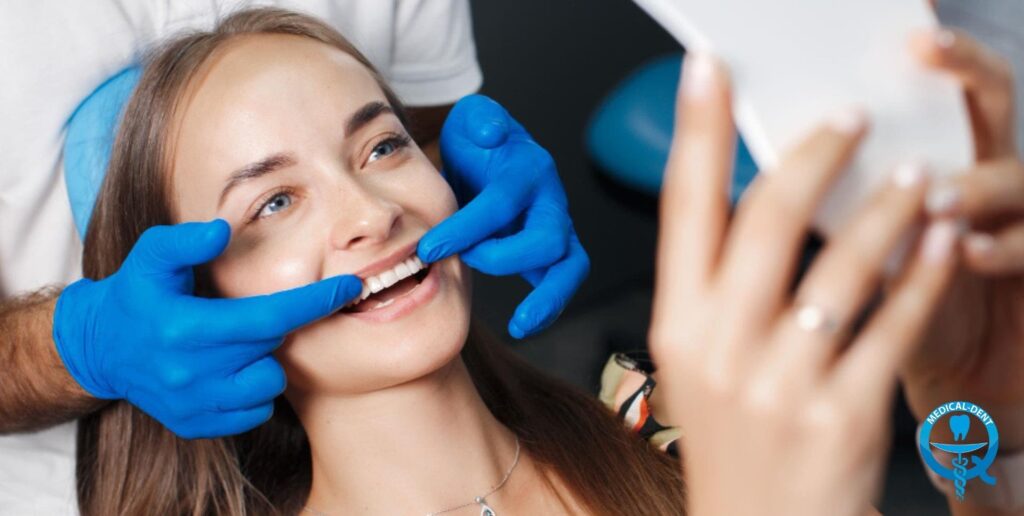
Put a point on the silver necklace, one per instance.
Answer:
(485, 510)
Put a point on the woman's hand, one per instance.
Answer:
(782, 409)
(974, 350)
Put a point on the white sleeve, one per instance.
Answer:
(433, 58)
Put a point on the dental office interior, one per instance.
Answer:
(596, 84)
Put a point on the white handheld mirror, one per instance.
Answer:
(793, 62)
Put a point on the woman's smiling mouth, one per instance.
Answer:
(390, 283)
(380, 290)
(395, 292)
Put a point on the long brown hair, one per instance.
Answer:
(130, 464)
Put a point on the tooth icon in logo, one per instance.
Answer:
(960, 424)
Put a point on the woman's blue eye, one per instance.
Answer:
(387, 147)
(382, 149)
(276, 203)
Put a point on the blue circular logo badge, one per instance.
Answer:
(970, 459)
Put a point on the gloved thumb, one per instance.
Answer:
(168, 249)
(483, 121)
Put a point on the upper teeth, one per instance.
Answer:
(400, 271)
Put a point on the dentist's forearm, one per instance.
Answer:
(36, 390)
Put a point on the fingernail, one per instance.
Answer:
(981, 244)
(938, 241)
(944, 38)
(908, 175)
(698, 74)
(943, 198)
(850, 120)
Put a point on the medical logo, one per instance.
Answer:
(970, 459)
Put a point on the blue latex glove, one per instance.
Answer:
(202, 367)
(515, 217)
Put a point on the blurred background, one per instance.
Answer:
(552, 64)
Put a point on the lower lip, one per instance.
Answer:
(420, 295)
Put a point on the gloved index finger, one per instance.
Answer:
(275, 315)
(495, 207)
(542, 241)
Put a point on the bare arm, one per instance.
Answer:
(35, 389)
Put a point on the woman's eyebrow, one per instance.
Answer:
(254, 170)
(365, 115)
(357, 121)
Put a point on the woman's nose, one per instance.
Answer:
(363, 218)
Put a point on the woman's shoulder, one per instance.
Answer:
(627, 383)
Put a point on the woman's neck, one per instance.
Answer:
(419, 447)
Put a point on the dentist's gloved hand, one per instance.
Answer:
(514, 217)
(202, 367)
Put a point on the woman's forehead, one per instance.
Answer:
(261, 94)
(272, 74)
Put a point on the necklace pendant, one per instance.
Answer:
(485, 510)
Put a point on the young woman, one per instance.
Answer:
(276, 124)
(400, 403)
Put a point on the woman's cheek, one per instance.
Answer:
(291, 271)
(264, 269)
(433, 196)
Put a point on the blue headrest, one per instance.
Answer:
(90, 137)
(630, 132)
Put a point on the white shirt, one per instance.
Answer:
(53, 53)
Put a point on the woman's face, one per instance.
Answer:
(295, 145)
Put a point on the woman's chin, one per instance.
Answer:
(347, 354)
